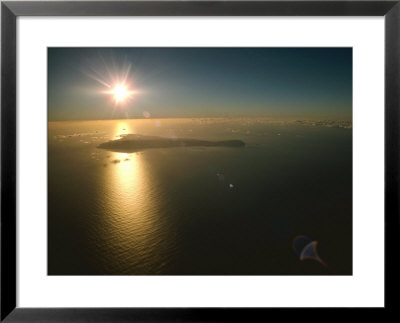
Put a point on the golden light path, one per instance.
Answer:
(132, 211)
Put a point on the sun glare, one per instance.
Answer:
(117, 82)
(121, 93)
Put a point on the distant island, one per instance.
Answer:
(133, 142)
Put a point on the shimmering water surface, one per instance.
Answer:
(199, 210)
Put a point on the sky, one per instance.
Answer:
(280, 83)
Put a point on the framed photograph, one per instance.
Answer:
(198, 161)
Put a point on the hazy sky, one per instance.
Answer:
(200, 82)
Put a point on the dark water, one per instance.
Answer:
(199, 210)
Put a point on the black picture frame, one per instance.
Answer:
(11, 10)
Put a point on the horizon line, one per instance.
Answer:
(211, 117)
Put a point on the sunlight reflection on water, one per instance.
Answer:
(132, 225)
(188, 210)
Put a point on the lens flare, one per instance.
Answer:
(116, 80)
(121, 92)
(306, 249)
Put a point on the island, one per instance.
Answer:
(134, 142)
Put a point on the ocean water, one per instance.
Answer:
(199, 210)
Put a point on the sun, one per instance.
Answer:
(121, 92)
